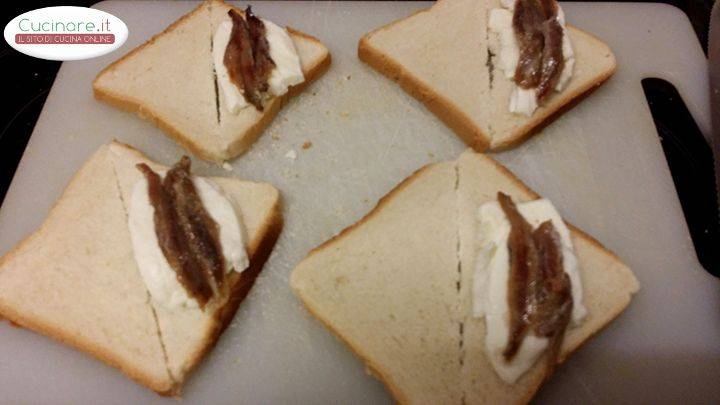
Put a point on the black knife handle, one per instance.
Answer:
(690, 159)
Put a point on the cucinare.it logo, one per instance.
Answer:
(66, 33)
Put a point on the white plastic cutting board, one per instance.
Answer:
(601, 163)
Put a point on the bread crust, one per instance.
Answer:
(239, 290)
(258, 255)
(455, 118)
(235, 148)
(376, 369)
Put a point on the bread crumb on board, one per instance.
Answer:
(307, 145)
(291, 154)
(227, 166)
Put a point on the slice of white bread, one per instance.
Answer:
(441, 56)
(75, 279)
(170, 81)
(396, 286)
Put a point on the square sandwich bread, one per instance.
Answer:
(396, 287)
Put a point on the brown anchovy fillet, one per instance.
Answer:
(247, 56)
(551, 305)
(539, 291)
(261, 50)
(199, 229)
(239, 60)
(539, 37)
(523, 262)
(188, 236)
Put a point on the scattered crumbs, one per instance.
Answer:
(314, 93)
(291, 154)
(227, 166)
(431, 155)
(347, 77)
(274, 136)
(307, 145)
(365, 200)
(344, 114)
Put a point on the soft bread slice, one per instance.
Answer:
(441, 56)
(75, 279)
(608, 284)
(396, 286)
(188, 333)
(387, 286)
(170, 81)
